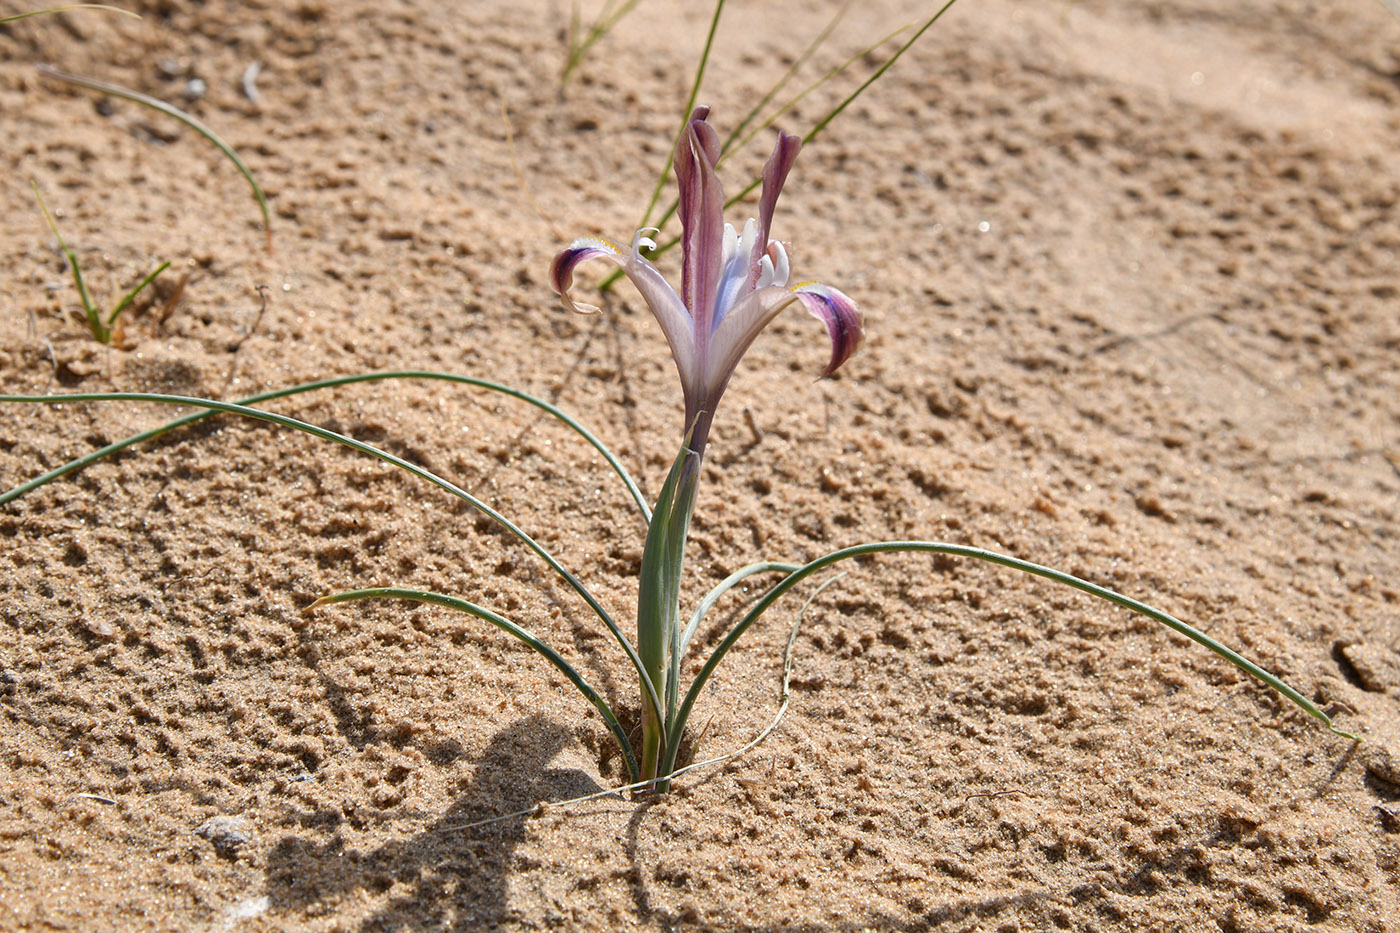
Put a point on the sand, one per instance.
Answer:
(1129, 278)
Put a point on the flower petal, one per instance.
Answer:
(734, 280)
(660, 297)
(841, 317)
(754, 312)
(775, 172)
(701, 210)
(773, 268)
(561, 270)
(736, 332)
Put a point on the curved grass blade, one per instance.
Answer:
(724, 586)
(521, 633)
(821, 124)
(131, 295)
(784, 693)
(612, 277)
(65, 9)
(689, 108)
(958, 550)
(101, 332)
(784, 698)
(879, 73)
(101, 329)
(607, 19)
(539, 403)
(801, 95)
(730, 146)
(782, 82)
(171, 110)
(649, 694)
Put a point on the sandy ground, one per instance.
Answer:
(1129, 272)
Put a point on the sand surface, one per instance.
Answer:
(1130, 283)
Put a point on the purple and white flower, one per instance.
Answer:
(732, 284)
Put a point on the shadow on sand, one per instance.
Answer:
(443, 878)
(449, 878)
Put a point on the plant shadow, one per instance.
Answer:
(447, 877)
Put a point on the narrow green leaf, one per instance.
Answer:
(730, 146)
(879, 72)
(611, 278)
(127, 298)
(796, 99)
(725, 585)
(689, 108)
(171, 110)
(649, 691)
(100, 332)
(658, 597)
(784, 692)
(782, 82)
(633, 490)
(958, 550)
(609, 17)
(521, 633)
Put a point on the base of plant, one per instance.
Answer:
(664, 696)
(611, 762)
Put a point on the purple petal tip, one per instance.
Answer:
(841, 317)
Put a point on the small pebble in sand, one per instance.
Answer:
(226, 833)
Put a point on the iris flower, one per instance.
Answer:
(732, 284)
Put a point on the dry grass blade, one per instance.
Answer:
(609, 17)
(63, 9)
(611, 279)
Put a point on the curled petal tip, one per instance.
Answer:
(641, 240)
(578, 307)
(841, 317)
(561, 270)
